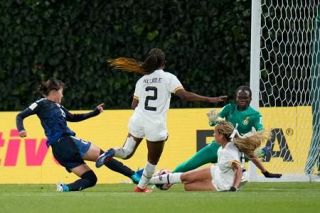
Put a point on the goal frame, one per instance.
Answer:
(253, 174)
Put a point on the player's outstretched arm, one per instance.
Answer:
(271, 175)
(263, 170)
(190, 96)
(20, 117)
(80, 117)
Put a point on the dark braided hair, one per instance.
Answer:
(154, 60)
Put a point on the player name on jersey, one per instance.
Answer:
(152, 80)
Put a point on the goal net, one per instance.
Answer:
(285, 78)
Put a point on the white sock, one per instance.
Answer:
(127, 148)
(167, 178)
(119, 153)
(146, 175)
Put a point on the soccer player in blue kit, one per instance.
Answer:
(68, 150)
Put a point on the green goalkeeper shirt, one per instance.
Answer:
(245, 119)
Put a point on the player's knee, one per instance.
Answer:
(91, 177)
(187, 187)
(128, 156)
(125, 153)
(128, 148)
(185, 178)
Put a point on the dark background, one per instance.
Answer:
(207, 45)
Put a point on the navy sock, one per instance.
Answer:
(88, 179)
(119, 167)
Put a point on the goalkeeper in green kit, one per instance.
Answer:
(241, 115)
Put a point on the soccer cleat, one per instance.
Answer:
(103, 157)
(145, 190)
(62, 187)
(137, 176)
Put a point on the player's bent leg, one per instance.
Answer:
(207, 154)
(124, 152)
(104, 157)
(197, 175)
(93, 153)
(88, 178)
(155, 149)
(128, 148)
(119, 167)
(205, 185)
(198, 180)
(145, 178)
(137, 176)
(167, 178)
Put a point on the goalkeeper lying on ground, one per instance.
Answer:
(240, 114)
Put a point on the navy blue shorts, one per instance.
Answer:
(69, 151)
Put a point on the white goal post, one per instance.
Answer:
(285, 83)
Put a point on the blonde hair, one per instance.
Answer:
(154, 60)
(247, 144)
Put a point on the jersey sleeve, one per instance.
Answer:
(174, 84)
(258, 125)
(32, 109)
(137, 90)
(79, 117)
(225, 111)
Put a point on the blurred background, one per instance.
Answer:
(207, 45)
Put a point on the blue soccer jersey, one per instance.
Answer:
(53, 117)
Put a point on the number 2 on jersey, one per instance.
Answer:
(152, 97)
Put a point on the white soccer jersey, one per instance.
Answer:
(154, 94)
(222, 173)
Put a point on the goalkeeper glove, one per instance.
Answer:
(213, 117)
(271, 175)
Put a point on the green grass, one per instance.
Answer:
(255, 197)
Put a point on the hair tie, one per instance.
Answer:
(234, 133)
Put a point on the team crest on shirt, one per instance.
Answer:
(246, 121)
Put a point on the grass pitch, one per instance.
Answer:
(113, 198)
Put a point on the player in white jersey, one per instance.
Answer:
(226, 174)
(151, 102)
(153, 93)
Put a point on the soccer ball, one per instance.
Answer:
(163, 186)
